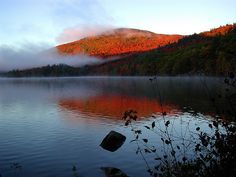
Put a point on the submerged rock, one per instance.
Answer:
(113, 172)
(113, 141)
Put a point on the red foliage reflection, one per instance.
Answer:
(115, 106)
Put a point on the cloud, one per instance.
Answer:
(76, 33)
(50, 22)
(43, 20)
(30, 57)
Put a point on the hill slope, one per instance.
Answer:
(222, 30)
(211, 53)
(117, 42)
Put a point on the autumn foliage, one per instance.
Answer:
(211, 53)
(118, 42)
(222, 30)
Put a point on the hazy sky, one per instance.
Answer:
(56, 21)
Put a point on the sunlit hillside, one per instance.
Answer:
(211, 53)
(117, 42)
(222, 30)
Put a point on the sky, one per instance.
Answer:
(53, 22)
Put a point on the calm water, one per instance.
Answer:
(47, 125)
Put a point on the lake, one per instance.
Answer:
(49, 125)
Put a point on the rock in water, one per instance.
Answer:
(113, 141)
(113, 172)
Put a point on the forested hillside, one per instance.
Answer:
(117, 42)
(209, 53)
(198, 53)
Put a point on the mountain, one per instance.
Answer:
(222, 30)
(210, 53)
(117, 42)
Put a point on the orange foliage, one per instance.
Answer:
(115, 106)
(118, 42)
(219, 31)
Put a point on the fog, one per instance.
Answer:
(31, 56)
(78, 32)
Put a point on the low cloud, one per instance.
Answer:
(34, 56)
(76, 33)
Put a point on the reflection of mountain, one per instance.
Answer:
(179, 91)
(114, 106)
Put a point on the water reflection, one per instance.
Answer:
(113, 96)
(110, 97)
(114, 106)
(33, 130)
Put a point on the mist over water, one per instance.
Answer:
(47, 125)
(31, 56)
